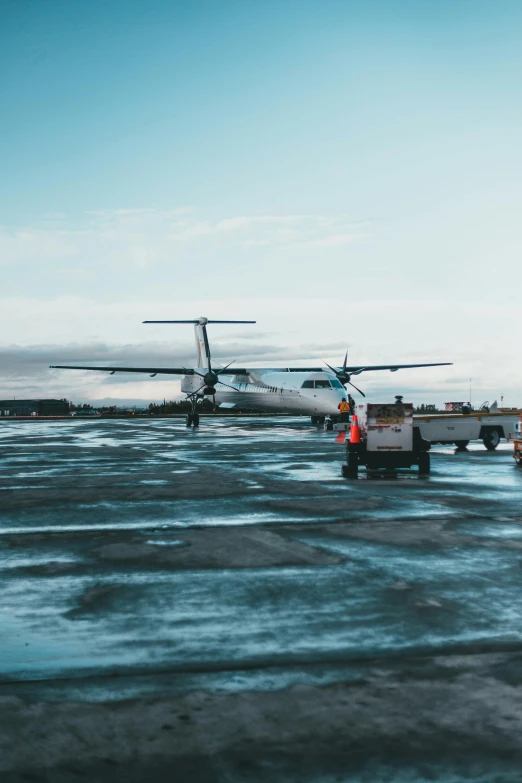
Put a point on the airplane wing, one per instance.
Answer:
(150, 370)
(356, 369)
(352, 370)
(392, 367)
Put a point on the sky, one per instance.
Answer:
(346, 173)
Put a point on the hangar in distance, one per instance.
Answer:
(313, 391)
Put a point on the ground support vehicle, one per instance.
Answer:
(460, 428)
(517, 442)
(383, 436)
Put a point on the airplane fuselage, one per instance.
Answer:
(305, 393)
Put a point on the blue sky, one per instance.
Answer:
(347, 172)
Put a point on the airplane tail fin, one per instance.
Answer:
(200, 332)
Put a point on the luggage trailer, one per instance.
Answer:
(384, 436)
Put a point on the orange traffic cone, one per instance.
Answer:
(355, 432)
(341, 437)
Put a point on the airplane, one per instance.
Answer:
(312, 391)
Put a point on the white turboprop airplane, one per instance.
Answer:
(312, 391)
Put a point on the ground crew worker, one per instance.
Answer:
(344, 409)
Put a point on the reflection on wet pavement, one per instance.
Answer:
(245, 473)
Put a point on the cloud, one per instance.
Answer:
(335, 240)
(144, 238)
(68, 330)
(25, 372)
(246, 221)
(36, 244)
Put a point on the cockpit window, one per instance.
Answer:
(326, 384)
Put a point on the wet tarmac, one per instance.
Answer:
(221, 605)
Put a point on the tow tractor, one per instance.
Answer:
(383, 436)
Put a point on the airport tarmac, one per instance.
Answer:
(220, 605)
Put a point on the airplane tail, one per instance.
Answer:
(200, 332)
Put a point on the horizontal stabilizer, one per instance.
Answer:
(203, 322)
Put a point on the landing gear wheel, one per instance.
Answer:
(491, 439)
(189, 419)
(195, 420)
(328, 425)
(351, 470)
(315, 420)
(461, 444)
(424, 463)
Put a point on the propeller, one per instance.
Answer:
(211, 377)
(343, 375)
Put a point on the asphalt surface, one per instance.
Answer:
(221, 605)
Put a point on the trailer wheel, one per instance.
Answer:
(461, 444)
(491, 439)
(424, 463)
(518, 458)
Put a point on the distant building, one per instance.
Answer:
(454, 407)
(34, 408)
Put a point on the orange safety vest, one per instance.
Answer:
(344, 406)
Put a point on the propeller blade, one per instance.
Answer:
(201, 375)
(345, 362)
(197, 390)
(355, 387)
(331, 368)
(225, 368)
(228, 386)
